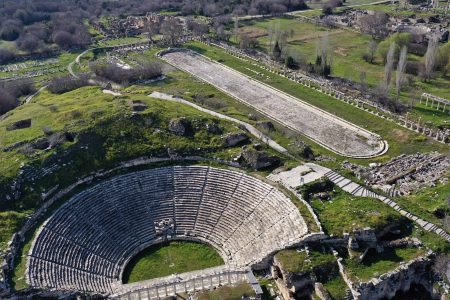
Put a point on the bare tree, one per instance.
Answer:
(324, 49)
(171, 30)
(200, 29)
(363, 80)
(236, 28)
(388, 68)
(372, 50)
(151, 29)
(374, 24)
(430, 57)
(400, 75)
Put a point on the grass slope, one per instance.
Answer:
(175, 257)
(346, 212)
(376, 264)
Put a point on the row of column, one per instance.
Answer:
(191, 285)
(440, 103)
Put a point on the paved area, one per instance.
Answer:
(330, 131)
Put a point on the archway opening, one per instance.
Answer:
(169, 258)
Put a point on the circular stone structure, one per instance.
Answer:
(86, 244)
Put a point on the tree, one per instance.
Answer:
(7, 101)
(171, 30)
(28, 43)
(10, 30)
(430, 57)
(236, 28)
(6, 56)
(401, 71)
(372, 50)
(363, 80)
(64, 39)
(276, 52)
(222, 34)
(200, 29)
(151, 29)
(388, 69)
(374, 24)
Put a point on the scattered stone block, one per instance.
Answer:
(233, 139)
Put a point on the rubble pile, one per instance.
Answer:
(408, 173)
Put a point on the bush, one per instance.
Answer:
(321, 185)
(11, 91)
(6, 56)
(7, 101)
(119, 75)
(10, 30)
(414, 67)
(64, 39)
(60, 85)
(28, 43)
(19, 88)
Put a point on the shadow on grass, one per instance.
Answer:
(196, 49)
(373, 257)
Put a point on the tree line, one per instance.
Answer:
(41, 25)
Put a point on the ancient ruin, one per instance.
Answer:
(331, 132)
(98, 224)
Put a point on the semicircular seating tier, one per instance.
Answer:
(88, 241)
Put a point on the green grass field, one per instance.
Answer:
(376, 264)
(294, 261)
(166, 259)
(346, 212)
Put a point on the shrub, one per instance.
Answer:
(117, 74)
(7, 101)
(6, 56)
(28, 43)
(60, 85)
(10, 30)
(321, 185)
(11, 91)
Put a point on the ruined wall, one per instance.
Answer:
(387, 285)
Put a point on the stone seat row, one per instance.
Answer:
(96, 232)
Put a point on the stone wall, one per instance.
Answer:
(416, 271)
